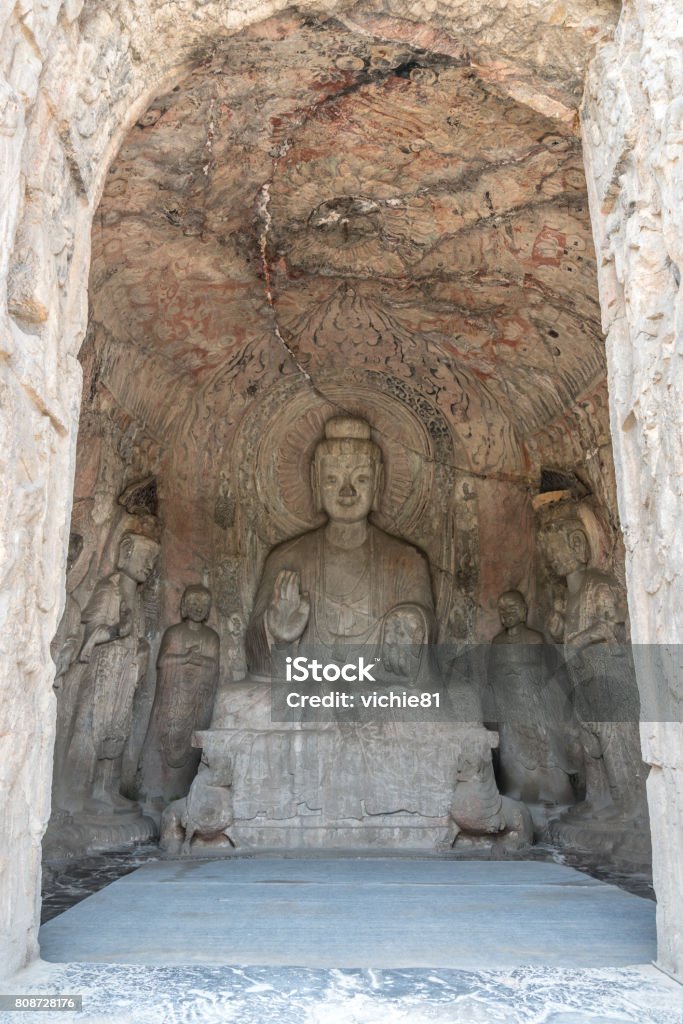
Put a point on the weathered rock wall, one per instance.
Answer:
(38, 412)
(633, 147)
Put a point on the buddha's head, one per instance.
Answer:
(347, 472)
(196, 603)
(512, 609)
(136, 556)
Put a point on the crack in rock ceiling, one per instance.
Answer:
(310, 199)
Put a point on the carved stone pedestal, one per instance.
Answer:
(622, 844)
(294, 786)
(69, 836)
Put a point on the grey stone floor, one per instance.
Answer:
(353, 912)
(290, 941)
(66, 883)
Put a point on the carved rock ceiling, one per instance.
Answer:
(309, 199)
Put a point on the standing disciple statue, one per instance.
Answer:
(187, 677)
(114, 657)
(538, 750)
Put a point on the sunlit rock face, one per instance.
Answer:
(632, 129)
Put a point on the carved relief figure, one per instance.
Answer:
(114, 657)
(69, 636)
(64, 649)
(333, 586)
(604, 687)
(187, 677)
(206, 812)
(233, 661)
(404, 643)
(538, 746)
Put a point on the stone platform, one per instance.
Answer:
(618, 843)
(389, 784)
(383, 912)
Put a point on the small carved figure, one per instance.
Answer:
(234, 655)
(478, 807)
(538, 751)
(405, 633)
(604, 688)
(187, 677)
(114, 655)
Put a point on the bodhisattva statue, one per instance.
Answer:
(538, 752)
(187, 677)
(605, 693)
(114, 657)
(337, 586)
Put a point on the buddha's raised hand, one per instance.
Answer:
(288, 611)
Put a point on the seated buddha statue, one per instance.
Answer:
(348, 583)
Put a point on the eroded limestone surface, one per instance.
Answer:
(632, 138)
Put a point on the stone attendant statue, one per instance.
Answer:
(604, 688)
(114, 657)
(538, 749)
(187, 677)
(337, 586)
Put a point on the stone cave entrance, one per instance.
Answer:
(319, 222)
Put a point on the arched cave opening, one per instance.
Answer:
(317, 223)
